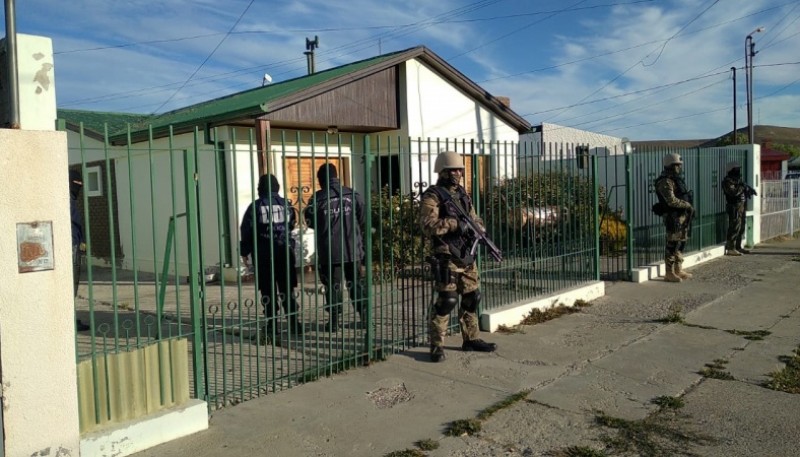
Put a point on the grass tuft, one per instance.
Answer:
(660, 434)
(538, 316)
(788, 379)
(675, 315)
(508, 401)
(508, 330)
(427, 444)
(464, 427)
(577, 451)
(406, 453)
(667, 402)
(753, 335)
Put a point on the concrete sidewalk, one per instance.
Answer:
(615, 356)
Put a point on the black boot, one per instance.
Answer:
(478, 346)
(743, 250)
(437, 354)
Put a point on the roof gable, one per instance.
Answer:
(252, 103)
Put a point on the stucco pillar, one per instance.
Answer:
(37, 321)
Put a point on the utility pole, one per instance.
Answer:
(735, 140)
(11, 56)
(310, 46)
(749, 53)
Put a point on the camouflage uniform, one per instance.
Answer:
(454, 275)
(672, 192)
(735, 205)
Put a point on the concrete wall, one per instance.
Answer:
(37, 320)
(36, 78)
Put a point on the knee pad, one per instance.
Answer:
(446, 303)
(470, 301)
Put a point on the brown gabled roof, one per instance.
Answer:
(259, 101)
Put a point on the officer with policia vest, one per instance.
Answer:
(453, 265)
(675, 206)
(736, 195)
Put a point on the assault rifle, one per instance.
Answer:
(474, 231)
(749, 192)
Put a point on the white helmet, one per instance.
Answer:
(672, 159)
(447, 160)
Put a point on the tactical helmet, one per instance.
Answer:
(447, 160)
(672, 159)
(731, 166)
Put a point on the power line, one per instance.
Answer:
(608, 83)
(207, 57)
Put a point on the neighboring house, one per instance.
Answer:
(407, 94)
(554, 142)
(557, 141)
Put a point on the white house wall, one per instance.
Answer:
(435, 109)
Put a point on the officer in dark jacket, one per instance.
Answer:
(78, 246)
(265, 229)
(336, 213)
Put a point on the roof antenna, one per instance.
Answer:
(310, 46)
(267, 79)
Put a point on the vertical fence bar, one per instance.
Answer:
(629, 212)
(596, 217)
(190, 179)
(367, 306)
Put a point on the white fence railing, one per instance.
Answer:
(780, 208)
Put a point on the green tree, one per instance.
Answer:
(727, 140)
(790, 149)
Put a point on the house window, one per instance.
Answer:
(94, 182)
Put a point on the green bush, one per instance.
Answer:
(397, 240)
(569, 193)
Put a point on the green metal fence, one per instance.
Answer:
(162, 229)
(704, 170)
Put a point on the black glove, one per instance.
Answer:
(463, 227)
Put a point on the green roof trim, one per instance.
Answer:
(96, 120)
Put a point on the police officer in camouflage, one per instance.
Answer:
(676, 199)
(454, 270)
(736, 195)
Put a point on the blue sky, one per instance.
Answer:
(645, 69)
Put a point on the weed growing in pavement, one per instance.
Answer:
(675, 315)
(753, 335)
(787, 379)
(667, 402)
(716, 370)
(406, 453)
(427, 444)
(577, 451)
(537, 316)
(463, 427)
(704, 327)
(660, 434)
(422, 445)
(510, 400)
(508, 330)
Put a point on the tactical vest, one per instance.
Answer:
(455, 242)
(681, 191)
